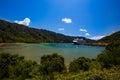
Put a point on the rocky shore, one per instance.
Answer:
(96, 44)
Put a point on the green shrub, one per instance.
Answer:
(81, 63)
(96, 77)
(51, 63)
(15, 67)
(111, 56)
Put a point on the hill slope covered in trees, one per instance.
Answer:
(113, 37)
(12, 32)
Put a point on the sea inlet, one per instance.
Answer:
(68, 50)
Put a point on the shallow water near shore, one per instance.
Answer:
(68, 50)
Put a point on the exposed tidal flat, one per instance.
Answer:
(34, 51)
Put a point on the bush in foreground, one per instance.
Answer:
(15, 67)
(52, 63)
(81, 63)
(111, 56)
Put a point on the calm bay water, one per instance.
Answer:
(68, 50)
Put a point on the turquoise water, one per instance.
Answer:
(68, 50)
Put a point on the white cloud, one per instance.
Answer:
(67, 20)
(61, 29)
(25, 22)
(97, 37)
(87, 34)
(83, 30)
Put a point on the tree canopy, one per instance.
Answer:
(111, 56)
(13, 32)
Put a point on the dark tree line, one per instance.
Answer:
(12, 32)
(113, 37)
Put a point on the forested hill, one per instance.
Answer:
(12, 32)
(113, 37)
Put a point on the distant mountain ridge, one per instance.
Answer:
(13, 32)
(113, 37)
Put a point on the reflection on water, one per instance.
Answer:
(68, 50)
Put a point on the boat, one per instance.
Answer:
(79, 41)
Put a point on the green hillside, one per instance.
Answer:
(12, 32)
(113, 37)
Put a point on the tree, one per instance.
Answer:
(111, 55)
(52, 63)
(15, 67)
(81, 63)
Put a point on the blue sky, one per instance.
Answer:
(89, 18)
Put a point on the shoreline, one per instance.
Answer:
(25, 48)
(97, 44)
(9, 44)
(87, 44)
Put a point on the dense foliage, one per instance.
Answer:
(113, 37)
(52, 63)
(15, 67)
(12, 32)
(81, 63)
(105, 67)
(111, 56)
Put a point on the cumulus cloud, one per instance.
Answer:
(61, 29)
(87, 34)
(97, 37)
(67, 20)
(25, 22)
(83, 30)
